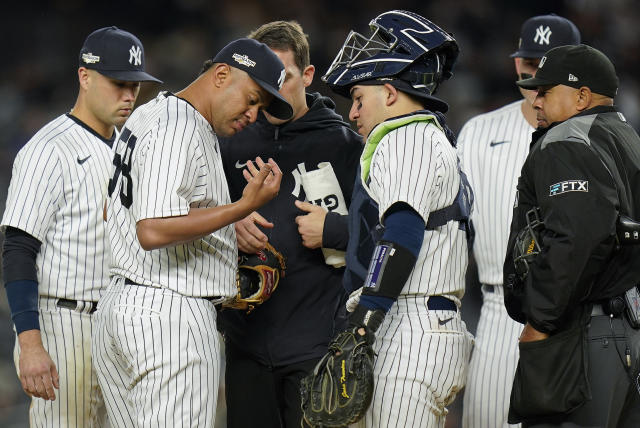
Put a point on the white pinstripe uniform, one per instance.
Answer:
(156, 344)
(57, 189)
(422, 354)
(492, 147)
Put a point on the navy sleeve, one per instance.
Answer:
(19, 255)
(335, 233)
(405, 227)
(20, 278)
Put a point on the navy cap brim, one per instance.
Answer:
(535, 83)
(527, 54)
(129, 76)
(430, 102)
(279, 107)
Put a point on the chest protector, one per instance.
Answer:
(365, 229)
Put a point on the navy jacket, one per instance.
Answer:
(307, 308)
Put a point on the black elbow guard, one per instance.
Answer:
(389, 269)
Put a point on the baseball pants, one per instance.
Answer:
(157, 357)
(493, 364)
(421, 364)
(66, 335)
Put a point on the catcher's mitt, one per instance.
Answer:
(257, 278)
(339, 390)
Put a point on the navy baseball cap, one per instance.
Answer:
(115, 53)
(575, 66)
(263, 66)
(541, 33)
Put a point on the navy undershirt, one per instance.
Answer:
(20, 277)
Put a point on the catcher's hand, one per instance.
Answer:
(339, 390)
(258, 277)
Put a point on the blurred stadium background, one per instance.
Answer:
(38, 79)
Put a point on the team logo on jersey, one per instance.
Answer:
(497, 143)
(89, 58)
(135, 55)
(542, 35)
(243, 60)
(572, 78)
(568, 186)
(81, 161)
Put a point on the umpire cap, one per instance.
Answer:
(115, 53)
(575, 66)
(541, 33)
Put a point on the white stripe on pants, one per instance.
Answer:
(157, 356)
(66, 335)
(493, 365)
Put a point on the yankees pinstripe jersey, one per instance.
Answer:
(492, 148)
(167, 161)
(416, 164)
(57, 190)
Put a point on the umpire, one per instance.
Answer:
(571, 274)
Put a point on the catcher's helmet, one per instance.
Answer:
(404, 48)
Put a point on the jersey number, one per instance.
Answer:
(123, 165)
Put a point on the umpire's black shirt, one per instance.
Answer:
(581, 173)
(307, 309)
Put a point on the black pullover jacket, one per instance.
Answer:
(307, 308)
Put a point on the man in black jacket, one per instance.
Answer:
(270, 349)
(568, 270)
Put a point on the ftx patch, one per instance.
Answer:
(569, 186)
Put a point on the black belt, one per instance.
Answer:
(439, 303)
(213, 299)
(73, 305)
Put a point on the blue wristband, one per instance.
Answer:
(23, 301)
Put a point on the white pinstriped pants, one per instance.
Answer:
(66, 335)
(421, 365)
(157, 356)
(493, 365)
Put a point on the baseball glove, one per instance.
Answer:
(257, 278)
(339, 390)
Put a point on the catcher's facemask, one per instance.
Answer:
(527, 244)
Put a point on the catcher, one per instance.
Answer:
(408, 231)
(258, 277)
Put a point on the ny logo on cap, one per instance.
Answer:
(135, 55)
(542, 35)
